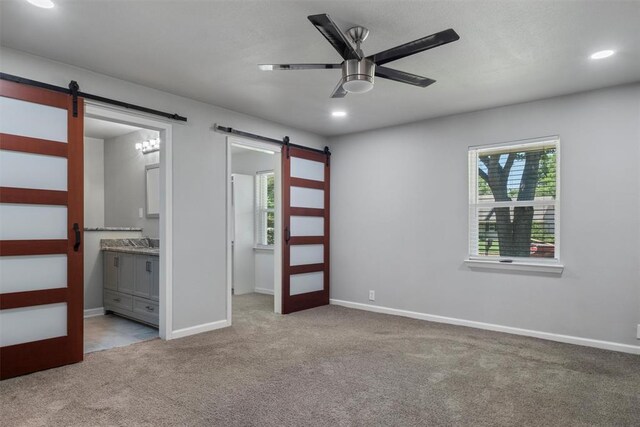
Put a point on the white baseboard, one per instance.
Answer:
(205, 327)
(263, 291)
(93, 312)
(568, 339)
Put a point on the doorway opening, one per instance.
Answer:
(125, 280)
(254, 224)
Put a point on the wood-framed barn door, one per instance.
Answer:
(41, 229)
(305, 207)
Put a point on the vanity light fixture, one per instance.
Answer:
(45, 4)
(148, 146)
(339, 113)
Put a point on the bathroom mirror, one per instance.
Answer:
(152, 178)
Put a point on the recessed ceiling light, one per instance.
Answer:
(339, 113)
(45, 4)
(603, 54)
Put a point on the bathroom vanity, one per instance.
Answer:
(131, 278)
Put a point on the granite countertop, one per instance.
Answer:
(142, 246)
(112, 229)
(133, 250)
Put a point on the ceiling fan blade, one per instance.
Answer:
(402, 77)
(339, 92)
(332, 33)
(416, 46)
(273, 67)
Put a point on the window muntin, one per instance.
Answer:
(265, 209)
(513, 201)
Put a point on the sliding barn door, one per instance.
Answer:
(305, 197)
(41, 210)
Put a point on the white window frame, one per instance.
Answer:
(533, 264)
(260, 211)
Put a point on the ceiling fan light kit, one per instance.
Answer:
(358, 71)
(357, 76)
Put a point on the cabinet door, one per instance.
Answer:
(110, 270)
(143, 273)
(155, 278)
(126, 276)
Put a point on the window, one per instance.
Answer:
(265, 209)
(513, 202)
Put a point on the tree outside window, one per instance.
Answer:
(513, 197)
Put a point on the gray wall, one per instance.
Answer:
(124, 182)
(93, 182)
(249, 162)
(399, 218)
(199, 178)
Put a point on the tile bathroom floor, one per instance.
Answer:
(109, 331)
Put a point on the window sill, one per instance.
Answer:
(539, 267)
(263, 248)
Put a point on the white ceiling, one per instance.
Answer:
(96, 128)
(508, 52)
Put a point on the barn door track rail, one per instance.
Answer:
(285, 142)
(74, 91)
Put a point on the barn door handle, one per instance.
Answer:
(76, 228)
(287, 235)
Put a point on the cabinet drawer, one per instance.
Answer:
(118, 300)
(147, 310)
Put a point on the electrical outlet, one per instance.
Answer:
(372, 295)
(140, 213)
(638, 332)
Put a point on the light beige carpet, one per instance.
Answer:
(333, 366)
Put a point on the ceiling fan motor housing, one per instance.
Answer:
(357, 75)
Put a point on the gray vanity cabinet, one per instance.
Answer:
(126, 267)
(144, 276)
(155, 281)
(131, 285)
(118, 271)
(111, 270)
(147, 280)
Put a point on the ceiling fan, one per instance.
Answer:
(357, 70)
